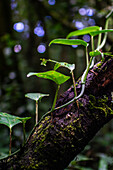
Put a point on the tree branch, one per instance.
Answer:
(54, 143)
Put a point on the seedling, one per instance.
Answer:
(70, 67)
(37, 97)
(24, 120)
(55, 76)
(93, 31)
(9, 121)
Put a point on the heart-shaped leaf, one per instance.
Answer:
(53, 75)
(100, 31)
(83, 31)
(69, 42)
(9, 120)
(36, 96)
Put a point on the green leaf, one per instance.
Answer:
(23, 119)
(57, 65)
(83, 31)
(94, 53)
(57, 77)
(69, 42)
(100, 31)
(9, 120)
(71, 67)
(108, 53)
(36, 96)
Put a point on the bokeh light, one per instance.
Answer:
(41, 48)
(51, 2)
(7, 51)
(12, 75)
(82, 11)
(19, 27)
(79, 24)
(91, 22)
(74, 46)
(17, 48)
(86, 38)
(90, 12)
(39, 31)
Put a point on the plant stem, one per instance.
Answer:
(99, 38)
(92, 43)
(87, 59)
(56, 94)
(74, 84)
(24, 133)
(36, 112)
(10, 141)
(105, 35)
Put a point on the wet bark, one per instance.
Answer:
(54, 143)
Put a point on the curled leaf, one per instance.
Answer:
(83, 31)
(69, 42)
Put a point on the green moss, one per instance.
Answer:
(100, 104)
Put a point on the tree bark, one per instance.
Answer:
(55, 142)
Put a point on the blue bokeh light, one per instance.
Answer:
(19, 27)
(39, 31)
(86, 38)
(90, 12)
(79, 24)
(91, 22)
(82, 11)
(51, 2)
(41, 48)
(12, 75)
(74, 46)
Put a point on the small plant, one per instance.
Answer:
(37, 97)
(10, 121)
(55, 76)
(70, 67)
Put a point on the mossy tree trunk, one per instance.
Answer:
(54, 143)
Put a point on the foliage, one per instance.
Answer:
(18, 48)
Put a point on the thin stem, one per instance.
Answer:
(99, 38)
(87, 59)
(74, 84)
(92, 43)
(105, 36)
(56, 94)
(36, 112)
(10, 141)
(75, 90)
(84, 76)
(24, 133)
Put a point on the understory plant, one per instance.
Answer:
(96, 33)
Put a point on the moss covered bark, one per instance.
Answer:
(55, 142)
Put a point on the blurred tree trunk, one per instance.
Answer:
(9, 61)
(54, 143)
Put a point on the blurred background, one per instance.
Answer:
(26, 28)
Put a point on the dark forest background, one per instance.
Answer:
(26, 28)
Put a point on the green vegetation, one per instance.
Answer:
(19, 56)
